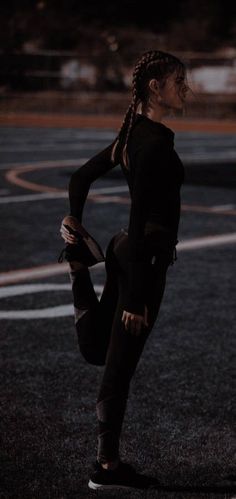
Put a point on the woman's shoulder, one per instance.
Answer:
(150, 128)
(154, 137)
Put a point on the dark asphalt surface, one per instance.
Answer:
(180, 420)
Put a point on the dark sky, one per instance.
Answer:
(146, 13)
(24, 19)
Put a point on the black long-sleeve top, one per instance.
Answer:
(154, 180)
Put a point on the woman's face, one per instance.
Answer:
(174, 91)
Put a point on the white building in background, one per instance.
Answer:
(73, 72)
(214, 79)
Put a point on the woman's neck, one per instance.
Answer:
(154, 114)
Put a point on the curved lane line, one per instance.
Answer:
(96, 195)
(42, 313)
(13, 176)
(62, 268)
(38, 272)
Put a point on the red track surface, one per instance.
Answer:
(110, 121)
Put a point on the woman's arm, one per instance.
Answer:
(82, 178)
(150, 174)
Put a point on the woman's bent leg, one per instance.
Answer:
(94, 317)
(86, 307)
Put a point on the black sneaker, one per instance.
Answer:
(87, 251)
(124, 476)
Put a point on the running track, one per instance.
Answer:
(49, 391)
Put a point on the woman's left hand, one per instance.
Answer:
(134, 322)
(67, 236)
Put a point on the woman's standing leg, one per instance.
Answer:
(123, 354)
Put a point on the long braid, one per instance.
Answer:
(134, 105)
(139, 94)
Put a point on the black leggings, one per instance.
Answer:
(103, 338)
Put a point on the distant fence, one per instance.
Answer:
(68, 81)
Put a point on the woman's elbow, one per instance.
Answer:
(74, 181)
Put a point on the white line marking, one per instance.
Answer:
(45, 164)
(108, 190)
(62, 268)
(33, 197)
(24, 289)
(38, 272)
(45, 147)
(206, 241)
(222, 207)
(207, 158)
(35, 273)
(43, 313)
(59, 195)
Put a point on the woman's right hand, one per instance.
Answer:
(135, 322)
(65, 234)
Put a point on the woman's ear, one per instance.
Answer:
(154, 86)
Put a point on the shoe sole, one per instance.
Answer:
(94, 249)
(92, 246)
(98, 486)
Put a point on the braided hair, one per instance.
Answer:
(152, 64)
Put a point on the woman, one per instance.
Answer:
(114, 330)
